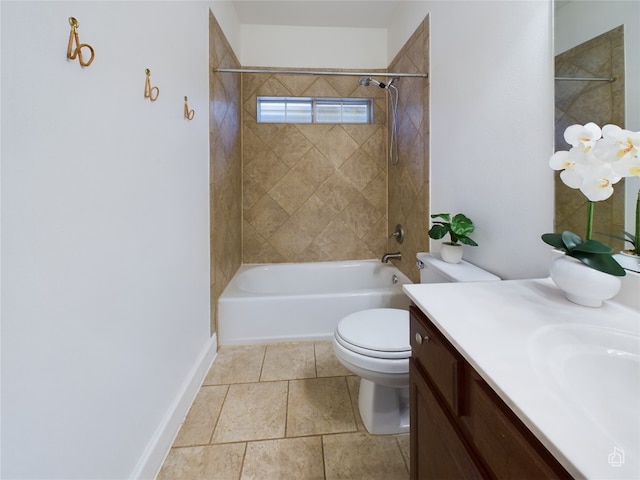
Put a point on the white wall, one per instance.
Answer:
(492, 125)
(316, 47)
(105, 233)
(579, 21)
(227, 18)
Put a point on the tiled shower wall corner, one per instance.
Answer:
(582, 102)
(409, 178)
(225, 167)
(313, 192)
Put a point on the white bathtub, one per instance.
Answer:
(303, 301)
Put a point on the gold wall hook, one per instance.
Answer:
(148, 89)
(188, 114)
(72, 52)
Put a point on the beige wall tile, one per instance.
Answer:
(291, 191)
(409, 180)
(225, 169)
(321, 170)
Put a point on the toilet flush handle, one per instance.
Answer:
(420, 339)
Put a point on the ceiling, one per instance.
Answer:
(317, 13)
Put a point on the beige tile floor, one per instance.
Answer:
(278, 412)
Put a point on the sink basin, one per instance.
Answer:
(598, 368)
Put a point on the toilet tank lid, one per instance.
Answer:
(456, 272)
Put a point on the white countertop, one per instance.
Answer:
(514, 334)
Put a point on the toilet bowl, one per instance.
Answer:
(374, 344)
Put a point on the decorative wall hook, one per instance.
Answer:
(72, 53)
(148, 89)
(188, 114)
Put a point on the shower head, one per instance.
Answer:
(366, 81)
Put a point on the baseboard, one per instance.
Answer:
(158, 447)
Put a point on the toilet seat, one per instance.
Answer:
(378, 333)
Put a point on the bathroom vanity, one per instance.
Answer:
(511, 380)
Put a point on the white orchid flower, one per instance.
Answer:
(617, 144)
(627, 167)
(575, 165)
(598, 182)
(583, 136)
(598, 159)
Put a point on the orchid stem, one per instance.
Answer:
(590, 219)
(636, 245)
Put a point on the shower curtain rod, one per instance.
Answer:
(588, 79)
(323, 72)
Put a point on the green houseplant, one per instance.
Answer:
(458, 228)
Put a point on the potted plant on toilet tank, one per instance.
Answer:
(458, 227)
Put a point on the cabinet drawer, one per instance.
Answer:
(437, 357)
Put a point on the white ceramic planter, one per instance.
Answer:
(451, 253)
(582, 284)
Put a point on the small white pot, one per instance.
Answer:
(451, 253)
(582, 284)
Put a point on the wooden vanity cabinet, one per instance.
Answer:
(460, 428)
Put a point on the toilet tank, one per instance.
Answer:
(434, 270)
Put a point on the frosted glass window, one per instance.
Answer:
(314, 110)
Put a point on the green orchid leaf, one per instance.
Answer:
(601, 262)
(593, 246)
(628, 237)
(555, 240)
(570, 240)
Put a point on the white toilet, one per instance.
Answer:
(374, 344)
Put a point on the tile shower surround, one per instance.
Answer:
(281, 411)
(304, 193)
(313, 192)
(408, 192)
(225, 168)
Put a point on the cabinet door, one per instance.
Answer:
(501, 439)
(437, 452)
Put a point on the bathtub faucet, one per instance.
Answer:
(391, 256)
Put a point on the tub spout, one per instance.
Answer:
(391, 256)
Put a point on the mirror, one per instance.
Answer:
(592, 40)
